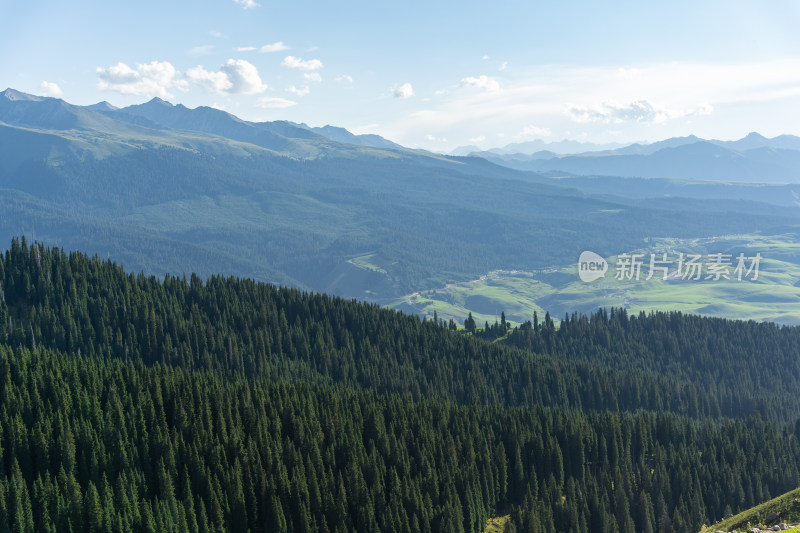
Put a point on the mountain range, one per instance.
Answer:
(753, 158)
(565, 146)
(164, 188)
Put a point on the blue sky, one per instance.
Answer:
(427, 74)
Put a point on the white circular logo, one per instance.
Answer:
(591, 266)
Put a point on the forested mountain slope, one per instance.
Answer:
(744, 355)
(133, 403)
(93, 445)
(684, 364)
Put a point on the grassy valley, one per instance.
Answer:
(774, 296)
(784, 509)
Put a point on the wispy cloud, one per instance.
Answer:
(481, 82)
(246, 49)
(300, 64)
(344, 77)
(247, 4)
(152, 79)
(236, 76)
(301, 91)
(314, 77)
(274, 102)
(274, 47)
(531, 131)
(635, 102)
(404, 91)
(51, 89)
(640, 111)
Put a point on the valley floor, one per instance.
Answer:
(774, 295)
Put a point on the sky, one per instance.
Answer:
(434, 75)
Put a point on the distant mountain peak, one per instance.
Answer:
(464, 150)
(102, 106)
(754, 135)
(158, 101)
(339, 134)
(15, 95)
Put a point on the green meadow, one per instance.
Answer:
(774, 295)
(787, 506)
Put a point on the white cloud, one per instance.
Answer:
(213, 82)
(235, 76)
(151, 79)
(274, 102)
(216, 33)
(51, 89)
(274, 47)
(638, 102)
(344, 77)
(219, 106)
(302, 91)
(404, 91)
(531, 131)
(246, 49)
(609, 112)
(504, 65)
(247, 4)
(638, 111)
(435, 139)
(478, 139)
(299, 64)
(485, 57)
(481, 82)
(315, 77)
(244, 76)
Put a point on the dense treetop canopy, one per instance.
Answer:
(133, 403)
